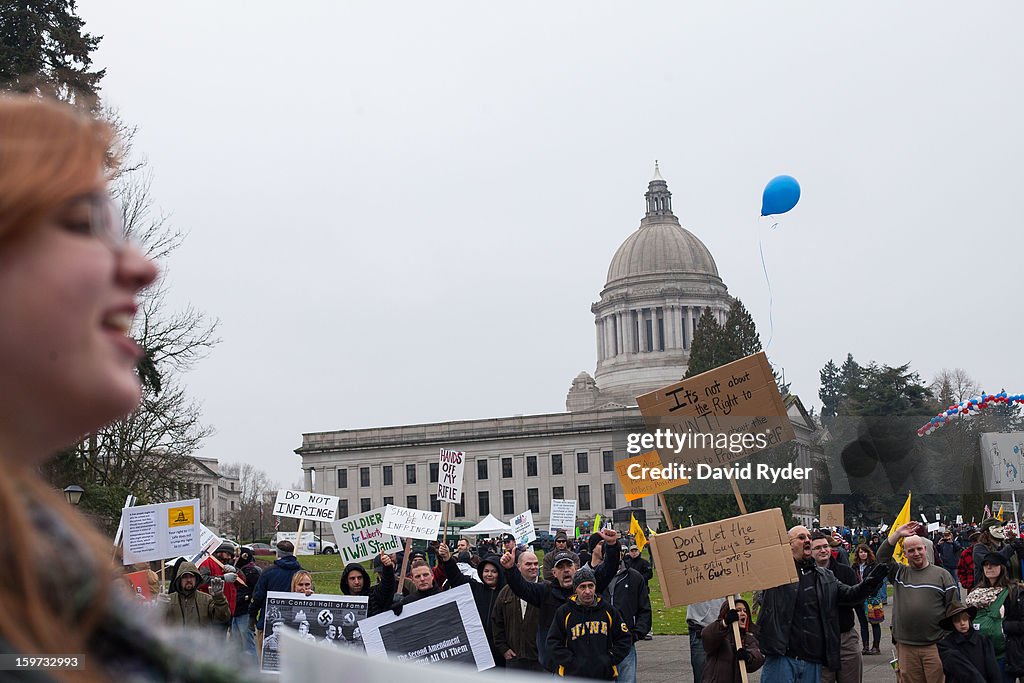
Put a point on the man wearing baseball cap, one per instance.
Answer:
(561, 546)
(551, 595)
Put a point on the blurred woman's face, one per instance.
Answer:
(741, 610)
(863, 555)
(67, 301)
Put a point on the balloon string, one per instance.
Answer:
(771, 321)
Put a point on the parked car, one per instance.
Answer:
(311, 543)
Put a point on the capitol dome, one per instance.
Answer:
(660, 281)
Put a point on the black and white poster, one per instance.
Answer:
(442, 628)
(327, 620)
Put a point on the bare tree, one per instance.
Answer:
(954, 386)
(253, 484)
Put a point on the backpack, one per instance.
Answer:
(989, 621)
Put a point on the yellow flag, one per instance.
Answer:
(999, 515)
(901, 519)
(638, 533)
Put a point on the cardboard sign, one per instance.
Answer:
(744, 553)
(563, 515)
(440, 629)
(1002, 461)
(160, 531)
(523, 529)
(638, 476)
(449, 475)
(832, 515)
(359, 537)
(140, 584)
(326, 620)
(722, 415)
(409, 523)
(304, 505)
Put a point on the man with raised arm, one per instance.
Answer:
(921, 593)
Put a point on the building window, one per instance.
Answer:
(649, 328)
(232, 505)
(364, 504)
(389, 475)
(533, 500)
(582, 462)
(410, 502)
(433, 472)
(506, 468)
(460, 507)
(609, 496)
(638, 503)
(558, 493)
(608, 458)
(661, 334)
(508, 502)
(364, 476)
(584, 497)
(531, 465)
(481, 469)
(342, 478)
(410, 474)
(435, 504)
(484, 502)
(389, 500)
(556, 463)
(342, 508)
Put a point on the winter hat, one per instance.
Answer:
(583, 575)
(285, 549)
(225, 547)
(946, 622)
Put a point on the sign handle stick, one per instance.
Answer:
(665, 511)
(737, 636)
(739, 498)
(163, 577)
(400, 583)
(444, 536)
(1016, 521)
(298, 537)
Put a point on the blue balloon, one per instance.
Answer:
(780, 195)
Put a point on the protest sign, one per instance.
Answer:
(563, 515)
(303, 662)
(1003, 461)
(449, 479)
(720, 416)
(832, 515)
(959, 519)
(305, 505)
(160, 531)
(359, 536)
(409, 523)
(936, 526)
(442, 628)
(326, 620)
(640, 476)
(744, 553)
(522, 528)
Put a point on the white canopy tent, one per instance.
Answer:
(488, 526)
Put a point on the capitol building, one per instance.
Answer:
(660, 281)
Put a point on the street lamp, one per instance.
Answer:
(680, 511)
(73, 494)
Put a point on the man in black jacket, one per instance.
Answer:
(799, 621)
(635, 561)
(355, 580)
(551, 595)
(851, 663)
(628, 593)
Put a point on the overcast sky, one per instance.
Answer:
(401, 212)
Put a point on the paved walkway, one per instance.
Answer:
(666, 659)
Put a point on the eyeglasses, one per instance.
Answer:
(104, 219)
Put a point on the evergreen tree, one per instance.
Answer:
(830, 392)
(45, 50)
(849, 376)
(739, 334)
(706, 352)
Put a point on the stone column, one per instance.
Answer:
(641, 329)
(308, 478)
(599, 333)
(609, 335)
(689, 326)
(671, 325)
